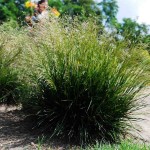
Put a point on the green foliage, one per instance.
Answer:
(57, 4)
(109, 9)
(124, 145)
(8, 10)
(146, 40)
(8, 86)
(9, 52)
(79, 84)
(9, 25)
(8, 79)
(78, 90)
(73, 8)
(105, 11)
(11, 9)
(133, 32)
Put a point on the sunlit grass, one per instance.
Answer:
(79, 87)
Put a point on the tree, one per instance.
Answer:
(82, 8)
(11, 9)
(133, 32)
(109, 9)
(14, 9)
(8, 10)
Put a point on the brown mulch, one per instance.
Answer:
(15, 130)
(17, 133)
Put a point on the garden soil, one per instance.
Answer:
(16, 132)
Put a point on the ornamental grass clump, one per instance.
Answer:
(8, 86)
(81, 90)
(9, 82)
(9, 52)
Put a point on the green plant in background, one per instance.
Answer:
(8, 10)
(12, 10)
(8, 82)
(9, 52)
(133, 32)
(73, 8)
(109, 10)
(81, 90)
(105, 11)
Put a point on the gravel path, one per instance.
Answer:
(143, 123)
(16, 134)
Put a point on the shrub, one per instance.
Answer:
(8, 86)
(9, 82)
(79, 89)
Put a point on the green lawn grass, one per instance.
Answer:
(124, 145)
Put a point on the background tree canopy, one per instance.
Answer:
(11, 9)
(106, 12)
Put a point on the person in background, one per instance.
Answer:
(45, 11)
(40, 13)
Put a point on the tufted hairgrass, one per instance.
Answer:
(9, 82)
(76, 79)
(80, 88)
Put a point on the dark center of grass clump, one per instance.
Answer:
(86, 104)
